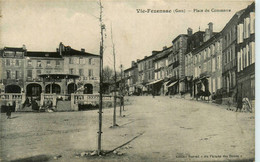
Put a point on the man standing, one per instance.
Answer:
(239, 103)
(8, 111)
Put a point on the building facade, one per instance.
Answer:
(12, 69)
(229, 57)
(207, 61)
(161, 75)
(22, 70)
(131, 77)
(246, 53)
(176, 66)
(194, 41)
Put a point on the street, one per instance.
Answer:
(166, 129)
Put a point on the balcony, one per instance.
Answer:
(174, 78)
(175, 64)
(12, 81)
(204, 74)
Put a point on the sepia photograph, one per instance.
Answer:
(134, 81)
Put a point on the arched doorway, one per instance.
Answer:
(55, 88)
(33, 89)
(12, 89)
(72, 87)
(88, 89)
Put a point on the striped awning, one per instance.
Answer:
(155, 82)
(172, 84)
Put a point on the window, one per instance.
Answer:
(38, 73)
(57, 63)
(252, 22)
(90, 72)
(29, 73)
(17, 63)
(39, 64)
(8, 62)
(19, 54)
(90, 61)
(70, 60)
(81, 72)
(213, 65)
(219, 86)
(213, 85)
(71, 71)
(219, 62)
(48, 63)
(16, 74)
(8, 74)
(81, 61)
(29, 63)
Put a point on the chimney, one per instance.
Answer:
(189, 31)
(137, 60)
(57, 49)
(164, 47)
(24, 47)
(133, 63)
(206, 35)
(210, 29)
(154, 52)
(82, 50)
(61, 48)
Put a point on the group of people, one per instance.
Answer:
(243, 103)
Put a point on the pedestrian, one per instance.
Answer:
(239, 103)
(246, 104)
(8, 111)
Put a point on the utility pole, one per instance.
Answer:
(114, 54)
(121, 89)
(102, 27)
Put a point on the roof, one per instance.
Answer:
(165, 55)
(43, 54)
(59, 75)
(237, 14)
(180, 35)
(128, 69)
(205, 44)
(13, 49)
(154, 54)
(72, 52)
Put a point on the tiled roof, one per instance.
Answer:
(72, 52)
(43, 54)
(13, 49)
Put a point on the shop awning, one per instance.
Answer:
(172, 84)
(154, 82)
(166, 82)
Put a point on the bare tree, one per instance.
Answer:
(107, 74)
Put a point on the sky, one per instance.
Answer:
(42, 24)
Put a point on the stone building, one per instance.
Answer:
(176, 64)
(37, 63)
(131, 77)
(84, 64)
(145, 74)
(194, 41)
(22, 70)
(246, 53)
(208, 64)
(12, 69)
(161, 75)
(229, 57)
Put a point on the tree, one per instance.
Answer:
(107, 74)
